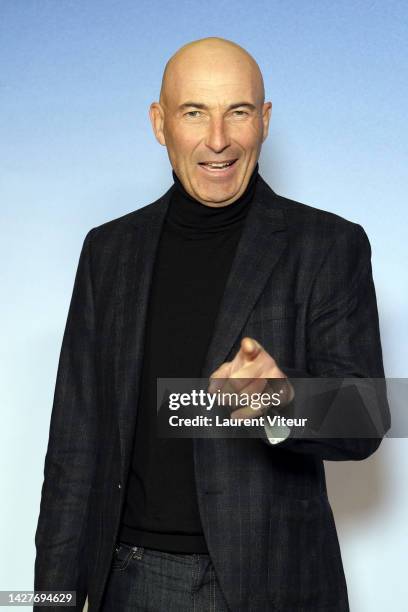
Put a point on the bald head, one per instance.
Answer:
(209, 54)
(212, 117)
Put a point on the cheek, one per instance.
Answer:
(250, 135)
(185, 141)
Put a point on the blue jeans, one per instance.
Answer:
(155, 581)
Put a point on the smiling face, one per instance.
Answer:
(212, 110)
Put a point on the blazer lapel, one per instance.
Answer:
(262, 243)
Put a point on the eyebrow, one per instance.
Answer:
(205, 107)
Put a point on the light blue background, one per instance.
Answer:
(77, 149)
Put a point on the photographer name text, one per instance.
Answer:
(217, 421)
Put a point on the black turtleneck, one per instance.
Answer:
(193, 259)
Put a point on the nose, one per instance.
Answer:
(217, 136)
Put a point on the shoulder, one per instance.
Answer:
(311, 224)
(119, 227)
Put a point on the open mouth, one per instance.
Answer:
(218, 166)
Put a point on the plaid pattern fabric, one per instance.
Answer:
(301, 283)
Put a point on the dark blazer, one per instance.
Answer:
(301, 283)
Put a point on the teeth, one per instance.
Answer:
(215, 165)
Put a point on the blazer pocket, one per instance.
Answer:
(273, 311)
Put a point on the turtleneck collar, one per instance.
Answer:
(189, 215)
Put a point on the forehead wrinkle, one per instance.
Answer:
(213, 92)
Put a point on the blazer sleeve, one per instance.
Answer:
(61, 562)
(343, 341)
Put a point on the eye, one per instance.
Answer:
(241, 113)
(191, 113)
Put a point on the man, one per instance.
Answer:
(220, 278)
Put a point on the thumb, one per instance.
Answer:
(223, 371)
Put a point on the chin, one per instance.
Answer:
(218, 200)
(217, 192)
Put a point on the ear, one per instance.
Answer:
(266, 117)
(156, 115)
